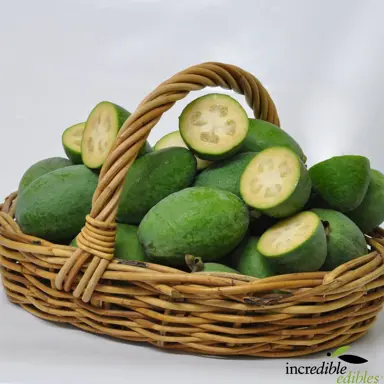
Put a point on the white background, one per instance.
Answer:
(322, 61)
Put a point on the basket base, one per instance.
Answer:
(262, 350)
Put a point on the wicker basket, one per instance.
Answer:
(206, 313)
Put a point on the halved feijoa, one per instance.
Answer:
(174, 139)
(214, 126)
(71, 140)
(276, 182)
(342, 181)
(296, 244)
(101, 128)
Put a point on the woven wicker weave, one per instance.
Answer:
(207, 313)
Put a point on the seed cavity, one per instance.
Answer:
(78, 132)
(209, 137)
(220, 109)
(269, 192)
(90, 144)
(273, 190)
(256, 186)
(230, 127)
(284, 169)
(77, 142)
(196, 118)
(108, 123)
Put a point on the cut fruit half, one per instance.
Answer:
(214, 126)
(174, 139)
(297, 244)
(101, 128)
(71, 140)
(276, 182)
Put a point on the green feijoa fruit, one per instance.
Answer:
(249, 261)
(225, 174)
(262, 135)
(71, 140)
(101, 128)
(295, 244)
(174, 139)
(370, 213)
(127, 244)
(100, 132)
(342, 181)
(41, 168)
(55, 205)
(200, 221)
(345, 241)
(214, 126)
(276, 182)
(153, 177)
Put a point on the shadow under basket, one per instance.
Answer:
(205, 313)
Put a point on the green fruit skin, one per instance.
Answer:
(74, 156)
(122, 115)
(210, 156)
(370, 213)
(262, 135)
(127, 244)
(297, 200)
(342, 181)
(152, 178)
(307, 257)
(216, 267)
(225, 174)
(345, 241)
(41, 168)
(54, 206)
(249, 261)
(199, 221)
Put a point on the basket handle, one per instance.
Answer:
(97, 238)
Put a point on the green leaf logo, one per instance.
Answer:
(340, 351)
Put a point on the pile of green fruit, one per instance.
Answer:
(224, 193)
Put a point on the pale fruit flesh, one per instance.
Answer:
(99, 135)
(73, 137)
(288, 234)
(214, 124)
(270, 178)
